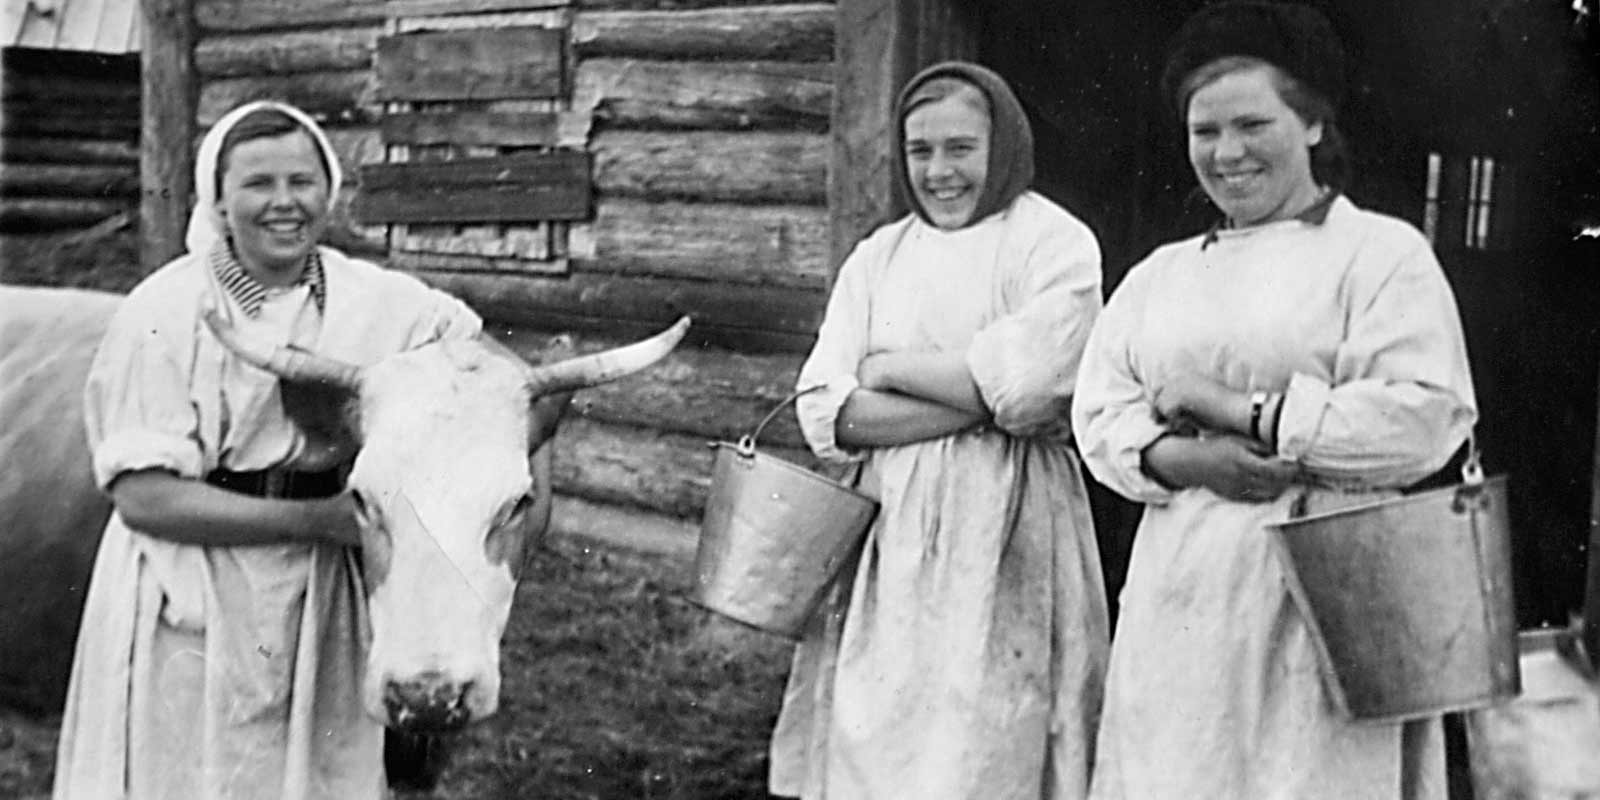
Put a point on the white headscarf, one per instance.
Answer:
(205, 224)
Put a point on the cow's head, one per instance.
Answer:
(445, 479)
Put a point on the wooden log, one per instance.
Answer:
(401, 9)
(670, 5)
(61, 63)
(484, 128)
(485, 64)
(41, 150)
(799, 32)
(749, 167)
(708, 393)
(166, 163)
(69, 180)
(628, 93)
(30, 88)
(784, 245)
(50, 213)
(525, 186)
(322, 50)
(624, 526)
(741, 318)
(345, 97)
(248, 15)
(651, 469)
(84, 121)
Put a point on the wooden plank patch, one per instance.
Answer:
(520, 62)
(526, 186)
(482, 128)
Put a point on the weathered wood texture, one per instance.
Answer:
(401, 9)
(486, 64)
(624, 526)
(784, 245)
(347, 96)
(743, 318)
(486, 128)
(728, 95)
(748, 167)
(711, 393)
(889, 41)
(283, 52)
(39, 150)
(68, 180)
(251, 15)
(166, 163)
(49, 213)
(800, 32)
(653, 469)
(530, 186)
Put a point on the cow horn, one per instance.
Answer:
(285, 362)
(608, 365)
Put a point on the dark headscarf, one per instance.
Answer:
(1010, 168)
(1294, 38)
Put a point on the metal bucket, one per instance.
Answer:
(1409, 600)
(774, 536)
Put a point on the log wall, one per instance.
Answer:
(705, 126)
(69, 138)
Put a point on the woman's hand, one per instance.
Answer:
(1233, 467)
(1192, 397)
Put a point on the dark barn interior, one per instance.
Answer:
(1497, 100)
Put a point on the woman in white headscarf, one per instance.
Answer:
(963, 657)
(222, 640)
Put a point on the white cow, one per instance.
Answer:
(444, 437)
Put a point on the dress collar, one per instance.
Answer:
(1315, 214)
(249, 293)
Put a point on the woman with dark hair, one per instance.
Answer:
(962, 656)
(222, 640)
(1303, 355)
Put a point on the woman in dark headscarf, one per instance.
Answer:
(963, 655)
(1304, 355)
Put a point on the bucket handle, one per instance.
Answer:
(747, 443)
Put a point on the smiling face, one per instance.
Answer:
(274, 199)
(1249, 149)
(947, 157)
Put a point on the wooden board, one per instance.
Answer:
(746, 167)
(400, 9)
(742, 318)
(321, 50)
(710, 393)
(46, 213)
(485, 128)
(530, 186)
(167, 129)
(521, 62)
(785, 245)
(83, 121)
(70, 151)
(730, 95)
(799, 32)
(625, 526)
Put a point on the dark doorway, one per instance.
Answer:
(1476, 121)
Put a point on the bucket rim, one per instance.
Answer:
(1386, 502)
(768, 459)
(772, 630)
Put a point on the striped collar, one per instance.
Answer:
(249, 293)
(1315, 214)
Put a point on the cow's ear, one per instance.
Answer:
(544, 416)
(326, 416)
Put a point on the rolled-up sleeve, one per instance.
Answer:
(137, 409)
(834, 359)
(1025, 364)
(1400, 401)
(1112, 419)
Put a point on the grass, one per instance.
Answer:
(615, 688)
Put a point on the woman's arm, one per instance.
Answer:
(941, 378)
(873, 418)
(163, 505)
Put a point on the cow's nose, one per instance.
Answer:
(428, 703)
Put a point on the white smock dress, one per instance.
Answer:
(963, 657)
(1214, 689)
(226, 672)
